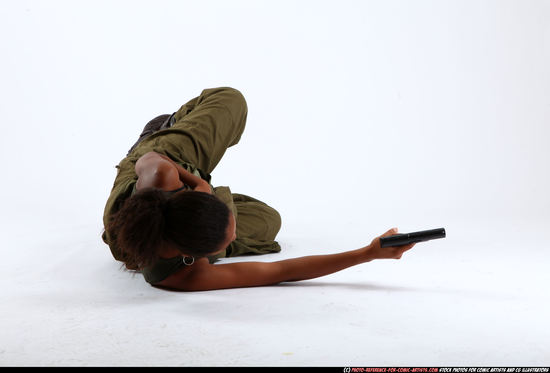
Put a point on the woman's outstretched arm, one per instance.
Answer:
(204, 276)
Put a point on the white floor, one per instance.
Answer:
(474, 298)
(363, 115)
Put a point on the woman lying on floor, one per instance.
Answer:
(164, 218)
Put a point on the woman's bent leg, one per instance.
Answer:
(212, 122)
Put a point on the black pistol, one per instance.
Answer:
(407, 238)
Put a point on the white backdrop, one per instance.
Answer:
(363, 115)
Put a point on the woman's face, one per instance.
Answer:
(232, 228)
(230, 233)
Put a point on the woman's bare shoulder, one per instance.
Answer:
(179, 279)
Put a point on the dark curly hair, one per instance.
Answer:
(194, 222)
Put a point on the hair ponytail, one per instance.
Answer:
(138, 227)
(193, 222)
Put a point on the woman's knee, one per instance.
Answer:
(273, 220)
(236, 102)
(257, 220)
(278, 221)
(237, 95)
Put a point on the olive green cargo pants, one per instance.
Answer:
(200, 133)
